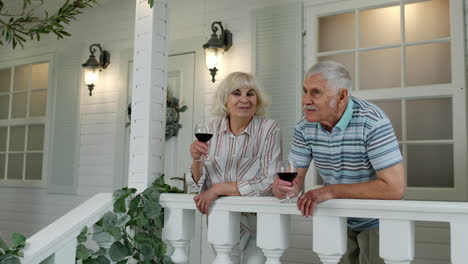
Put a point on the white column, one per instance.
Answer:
(272, 236)
(396, 241)
(67, 253)
(178, 230)
(329, 238)
(223, 233)
(458, 236)
(146, 161)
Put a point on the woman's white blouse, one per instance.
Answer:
(250, 158)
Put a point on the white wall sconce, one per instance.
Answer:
(215, 47)
(92, 67)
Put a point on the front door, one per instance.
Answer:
(180, 85)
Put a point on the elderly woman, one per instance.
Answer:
(243, 155)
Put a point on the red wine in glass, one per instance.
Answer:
(287, 171)
(287, 176)
(203, 133)
(203, 137)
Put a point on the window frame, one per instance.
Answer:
(46, 120)
(455, 90)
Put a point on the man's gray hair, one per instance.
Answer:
(335, 74)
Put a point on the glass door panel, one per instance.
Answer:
(430, 166)
(379, 27)
(336, 32)
(427, 20)
(429, 119)
(380, 69)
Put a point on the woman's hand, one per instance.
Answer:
(198, 149)
(205, 199)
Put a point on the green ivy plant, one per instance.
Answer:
(16, 26)
(173, 111)
(135, 224)
(11, 254)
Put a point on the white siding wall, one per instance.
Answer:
(111, 24)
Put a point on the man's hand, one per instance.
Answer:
(308, 201)
(205, 199)
(282, 188)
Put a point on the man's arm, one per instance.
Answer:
(389, 185)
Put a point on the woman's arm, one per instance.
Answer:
(261, 183)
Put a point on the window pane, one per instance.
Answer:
(347, 60)
(15, 166)
(428, 64)
(429, 119)
(393, 111)
(22, 77)
(380, 69)
(40, 76)
(3, 138)
(379, 27)
(430, 166)
(4, 106)
(36, 137)
(5, 77)
(336, 32)
(2, 166)
(427, 20)
(33, 166)
(17, 138)
(19, 105)
(38, 103)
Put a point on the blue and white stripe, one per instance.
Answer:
(361, 143)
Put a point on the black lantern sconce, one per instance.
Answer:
(92, 67)
(216, 46)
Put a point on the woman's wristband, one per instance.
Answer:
(197, 160)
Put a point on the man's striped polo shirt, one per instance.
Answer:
(361, 143)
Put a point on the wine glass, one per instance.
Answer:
(287, 171)
(203, 133)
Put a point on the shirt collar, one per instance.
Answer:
(347, 115)
(249, 130)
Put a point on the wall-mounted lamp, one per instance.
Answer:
(92, 67)
(216, 46)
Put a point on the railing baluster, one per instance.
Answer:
(67, 253)
(223, 233)
(179, 230)
(396, 240)
(329, 238)
(272, 235)
(458, 240)
(102, 238)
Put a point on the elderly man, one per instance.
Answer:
(354, 149)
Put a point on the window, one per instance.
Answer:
(23, 111)
(408, 58)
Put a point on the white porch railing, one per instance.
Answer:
(57, 242)
(329, 226)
